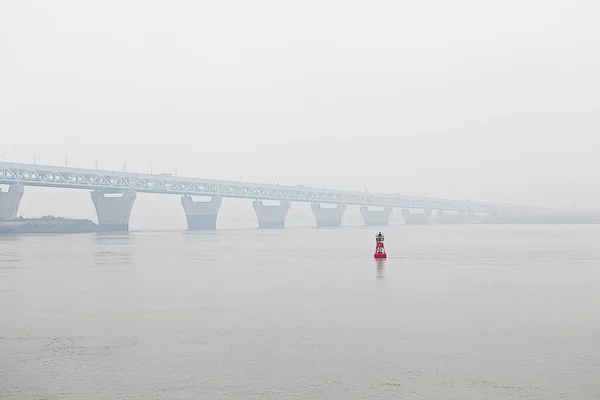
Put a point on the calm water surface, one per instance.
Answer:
(457, 312)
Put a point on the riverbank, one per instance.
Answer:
(47, 224)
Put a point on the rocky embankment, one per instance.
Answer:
(47, 224)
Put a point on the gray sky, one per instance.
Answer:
(494, 101)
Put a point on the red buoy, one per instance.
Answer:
(379, 247)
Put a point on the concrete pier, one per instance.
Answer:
(416, 218)
(451, 218)
(9, 202)
(201, 214)
(113, 211)
(328, 216)
(271, 216)
(376, 217)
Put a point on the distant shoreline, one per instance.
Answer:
(47, 224)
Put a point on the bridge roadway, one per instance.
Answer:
(113, 211)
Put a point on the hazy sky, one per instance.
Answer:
(484, 100)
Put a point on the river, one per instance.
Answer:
(455, 312)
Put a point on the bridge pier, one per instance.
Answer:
(201, 214)
(113, 211)
(457, 218)
(416, 218)
(327, 217)
(376, 217)
(9, 201)
(271, 216)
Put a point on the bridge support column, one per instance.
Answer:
(456, 218)
(421, 218)
(376, 217)
(201, 214)
(271, 216)
(113, 211)
(9, 201)
(328, 216)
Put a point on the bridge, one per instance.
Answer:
(113, 194)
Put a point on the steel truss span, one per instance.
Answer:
(77, 178)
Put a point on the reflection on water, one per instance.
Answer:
(203, 246)
(112, 248)
(10, 256)
(380, 268)
(190, 235)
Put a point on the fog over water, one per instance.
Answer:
(494, 102)
(478, 100)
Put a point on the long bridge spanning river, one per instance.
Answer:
(114, 193)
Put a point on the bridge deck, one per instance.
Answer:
(77, 178)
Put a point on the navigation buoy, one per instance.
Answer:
(379, 247)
